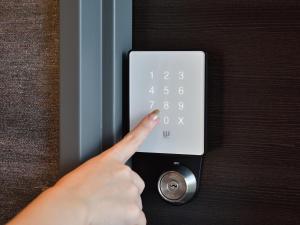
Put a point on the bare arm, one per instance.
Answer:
(102, 191)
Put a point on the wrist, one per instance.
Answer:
(68, 206)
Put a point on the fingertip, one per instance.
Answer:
(153, 117)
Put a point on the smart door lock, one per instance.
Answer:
(174, 82)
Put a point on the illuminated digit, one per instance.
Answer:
(166, 120)
(166, 75)
(181, 75)
(180, 121)
(152, 75)
(166, 90)
(151, 90)
(166, 105)
(180, 90)
(180, 106)
(151, 104)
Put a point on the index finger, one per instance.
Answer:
(124, 149)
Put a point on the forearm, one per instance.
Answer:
(94, 192)
(52, 207)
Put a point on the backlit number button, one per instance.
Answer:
(151, 104)
(166, 105)
(180, 91)
(152, 75)
(166, 120)
(181, 75)
(180, 121)
(180, 106)
(166, 75)
(151, 90)
(166, 90)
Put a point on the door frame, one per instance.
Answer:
(95, 36)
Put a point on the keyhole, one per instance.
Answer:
(173, 186)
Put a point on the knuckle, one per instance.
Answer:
(134, 212)
(122, 171)
(142, 185)
(140, 202)
(143, 219)
(125, 171)
(133, 190)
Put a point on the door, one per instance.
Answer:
(251, 171)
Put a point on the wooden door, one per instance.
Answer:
(251, 172)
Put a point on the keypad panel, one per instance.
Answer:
(174, 83)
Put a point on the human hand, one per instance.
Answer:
(102, 191)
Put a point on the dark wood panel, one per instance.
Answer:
(251, 173)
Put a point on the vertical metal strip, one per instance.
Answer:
(117, 41)
(90, 78)
(95, 35)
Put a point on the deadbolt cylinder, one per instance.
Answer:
(177, 185)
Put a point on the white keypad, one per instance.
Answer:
(174, 83)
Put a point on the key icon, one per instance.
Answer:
(166, 133)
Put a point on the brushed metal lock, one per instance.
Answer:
(178, 185)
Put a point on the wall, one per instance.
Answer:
(28, 101)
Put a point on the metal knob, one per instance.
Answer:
(178, 185)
